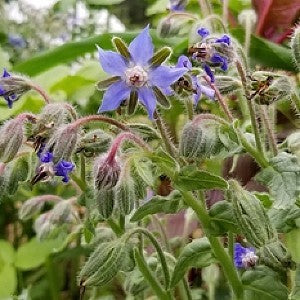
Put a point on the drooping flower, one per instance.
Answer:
(9, 97)
(177, 5)
(213, 52)
(244, 257)
(48, 169)
(136, 75)
(198, 88)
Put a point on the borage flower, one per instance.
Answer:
(48, 169)
(213, 52)
(244, 257)
(197, 86)
(136, 75)
(177, 5)
(8, 96)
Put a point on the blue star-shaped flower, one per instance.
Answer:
(136, 74)
(244, 257)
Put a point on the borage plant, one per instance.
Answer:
(127, 179)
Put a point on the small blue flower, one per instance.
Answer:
(63, 168)
(244, 257)
(224, 39)
(219, 59)
(177, 5)
(203, 32)
(198, 88)
(9, 97)
(209, 72)
(16, 41)
(136, 74)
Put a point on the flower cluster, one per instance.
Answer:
(49, 169)
(197, 87)
(212, 52)
(244, 257)
(136, 75)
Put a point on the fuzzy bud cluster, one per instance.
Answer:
(11, 139)
(200, 139)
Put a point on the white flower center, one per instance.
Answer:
(249, 259)
(136, 76)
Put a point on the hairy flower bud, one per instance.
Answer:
(125, 192)
(62, 213)
(200, 139)
(94, 142)
(43, 226)
(34, 205)
(13, 87)
(269, 87)
(250, 216)
(63, 143)
(105, 200)
(106, 172)
(52, 117)
(11, 139)
(227, 84)
(295, 45)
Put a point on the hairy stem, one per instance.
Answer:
(38, 89)
(216, 245)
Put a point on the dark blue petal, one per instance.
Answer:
(115, 94)
(63, 168)
(217, 58)
(112, 62)
(45, 157)
(177, 5)
(141, 48)
(164, 76)
(203, 32)
(209, 72)
(184, 62)
(224, 39)
(147, 97)
(5, 73)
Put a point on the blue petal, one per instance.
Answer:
(115, 94)
(164, 76)
(217, 58)
(209, 72)
(167, 91)
(141, 48)
(112, 62)
(224, 39)
(147, 97)
(203, 32)
(184, 62)
(197, 89)
(5, 73)
(209, 92)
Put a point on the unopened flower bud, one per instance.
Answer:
(62, 213)
(250, 216)
(94, 142)
(11, 139)
(105, 200)
(293, 143)
(34, 206)
(200, 139)
(268, 87)
(295, 45)
(63, 143)
(12, 87)
(43, 226)
(227, 84)
(52, 116)
(125, 192)
(106, 172)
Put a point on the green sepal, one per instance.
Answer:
(160, 56)
(121, 47)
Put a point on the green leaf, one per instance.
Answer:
(296, 286)
(144, 167)
(34, 253)
(71, 51)
(223, 218)
(265, 282)
(7, 253)
(282, 179)
(284, 219)
(8, 281)
(292, 240)
(191, 179)
(195, 254)
(158, 204)
(266, 53)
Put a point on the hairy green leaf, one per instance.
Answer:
(196, 254)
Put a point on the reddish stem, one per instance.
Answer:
(41, 92)
(201, 117)
(120, 139)
(2, 168)
(100, 118)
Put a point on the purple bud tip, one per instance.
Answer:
(5, 73)
(244, 257)
(224, 39)
(203, 32)
(209, 72)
